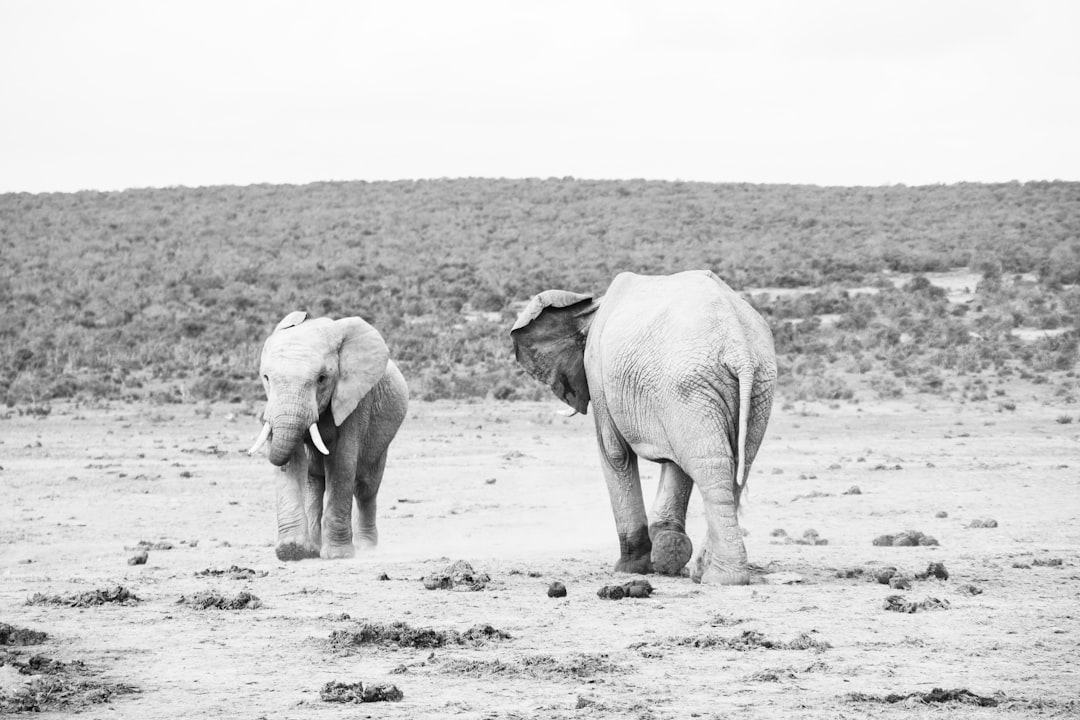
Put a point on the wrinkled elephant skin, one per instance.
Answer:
(680, 370)
(334, 403)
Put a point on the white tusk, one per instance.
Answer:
(566, 413)
(316, 438)
(262, 439)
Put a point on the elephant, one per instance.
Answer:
(335, 401)
(680, 370)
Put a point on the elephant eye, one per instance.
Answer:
(266, 378)
(322, 378)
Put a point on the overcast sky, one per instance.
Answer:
(111, 94)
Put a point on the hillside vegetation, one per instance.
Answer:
(169, 293)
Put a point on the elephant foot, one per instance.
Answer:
(717, 576)
(289, 551)
(714, 575)
(707, 571)
(671, 550)
(635, 549)
(338, 552)
(366, 541)
(638, 565)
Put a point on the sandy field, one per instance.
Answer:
(516, 490)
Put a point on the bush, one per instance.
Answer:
(165, 300)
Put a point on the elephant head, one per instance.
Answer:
(549, 341)
(310, 365)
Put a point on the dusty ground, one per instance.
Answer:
(516, 490)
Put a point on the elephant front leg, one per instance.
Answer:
(671, 547)
(337, 517)
(722, 559)
(314, 492)
(624, 488)
(294, 531)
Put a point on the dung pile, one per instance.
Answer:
(937, 695)
(233, 572)
(207, 599)
(900, 604)
(636, 588)
(578, 666)
(359, 692)
(752, 640)
(11, 635)
(54, 686)
(458, 576)
(402, 634)
(116, 595)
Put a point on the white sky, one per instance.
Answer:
(110, 94)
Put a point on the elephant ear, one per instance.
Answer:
(549, 341)
(294, 318)
(362, 359)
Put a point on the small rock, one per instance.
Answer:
(884, 575)
(899, 582)
(853, 490)
(438, 582)
(907, 538)
(556, 590)
(941, 514)
(138, 558)
(969, 589)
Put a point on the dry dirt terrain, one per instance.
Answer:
(515, 490)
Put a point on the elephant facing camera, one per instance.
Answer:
(334, 402)
(679, 370)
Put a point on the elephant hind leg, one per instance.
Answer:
(368, 479)
(671, 547)
(722, 557)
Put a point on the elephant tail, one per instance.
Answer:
(746, 390)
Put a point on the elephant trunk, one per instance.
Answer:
(283, 441)
(288, 425)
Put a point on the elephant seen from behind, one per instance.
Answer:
(679, 370)
(335, 400)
